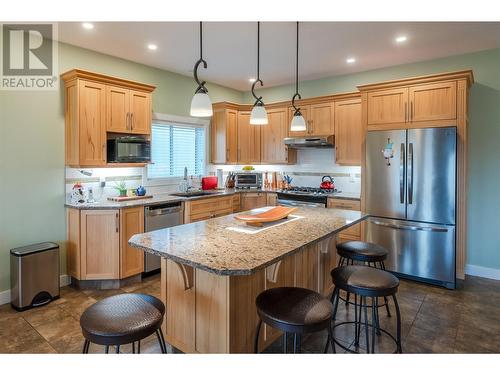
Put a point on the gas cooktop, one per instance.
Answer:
(305, 190)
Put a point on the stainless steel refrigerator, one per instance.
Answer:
(411, 197)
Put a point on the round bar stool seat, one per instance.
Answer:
(362, 251)
(294, 310)
(363, 282)
(123, 319)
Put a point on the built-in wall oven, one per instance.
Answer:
(160, 216)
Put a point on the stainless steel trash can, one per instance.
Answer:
(34, 275)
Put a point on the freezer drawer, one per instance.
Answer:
(417, 250)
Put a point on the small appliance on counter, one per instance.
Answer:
(129, 149)
(209, 183)
(34, 275)
(248, 180)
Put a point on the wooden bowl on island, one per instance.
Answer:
(274, 214)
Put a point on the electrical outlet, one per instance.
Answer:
(102, 182)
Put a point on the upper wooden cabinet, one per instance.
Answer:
(224, 136)
(319, 119)
(273, 149)
(412, 104)
(127, 111)
(388, 106)
(248, 140)
(95, 104)
(348, 132)
(437, 101)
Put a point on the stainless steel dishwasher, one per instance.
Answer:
(159, 216)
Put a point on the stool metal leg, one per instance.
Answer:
(86, 345)
(398, 324)
(159, 335)
(256, 343)
(285, 342)
(382, 266)
(133, 348)
(117, 351)
(296, 343)
(335, 301)
(374, 322)
(106, 349)
(139, 347)
(365, 308)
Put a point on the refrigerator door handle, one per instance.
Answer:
(410, 173)
(409, 227)
(402, 174)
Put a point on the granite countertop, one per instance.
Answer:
(211, 246)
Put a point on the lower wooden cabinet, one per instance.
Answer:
(249, 201)
(131, 259)
(207, 208)
(97, 243)
(347, 204)
(100, 244)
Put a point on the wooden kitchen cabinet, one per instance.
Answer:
(388, 106)
(354, 232)
(248, 140)
(207, 208)
(91, 103)
(319, 119)
(413, 104)
(435, 101)
(97, 243)
(273, 149)
(96, 105)
(131, 259)
(224, 136)
(100, 244)
(249, 201)
(348, 132)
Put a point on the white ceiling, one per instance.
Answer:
(230, 47)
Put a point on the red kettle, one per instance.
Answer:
(327, 183)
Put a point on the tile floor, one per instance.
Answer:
(434, 320)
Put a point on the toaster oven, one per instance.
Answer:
(247, 180)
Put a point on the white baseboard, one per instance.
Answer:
(489, 273)
(5, 295)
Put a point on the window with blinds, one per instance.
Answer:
(175, 146)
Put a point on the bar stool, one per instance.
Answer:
(123, 319)
(295, 311)
(367, 253)
(366, 282)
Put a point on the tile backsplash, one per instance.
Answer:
(312, 165)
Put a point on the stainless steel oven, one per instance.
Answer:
(298, 200)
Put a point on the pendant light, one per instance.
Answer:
(298, 123)
(258, 116)
(201, 105)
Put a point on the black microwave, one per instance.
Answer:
(129, 149)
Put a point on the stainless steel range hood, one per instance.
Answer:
(313, 142)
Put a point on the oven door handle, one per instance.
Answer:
(289, 203)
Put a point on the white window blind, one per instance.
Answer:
(175, 146)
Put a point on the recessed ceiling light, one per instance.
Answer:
(88, 25)
(351, 60)
(251, 80)
(401, 39)
(152, 47)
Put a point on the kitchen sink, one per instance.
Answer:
(195, 193)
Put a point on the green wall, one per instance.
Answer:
(32, 147)
(484, 135)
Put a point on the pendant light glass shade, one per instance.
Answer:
(298, 123)
(258, 116)
(201, 105)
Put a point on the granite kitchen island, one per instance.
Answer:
(213, 270)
